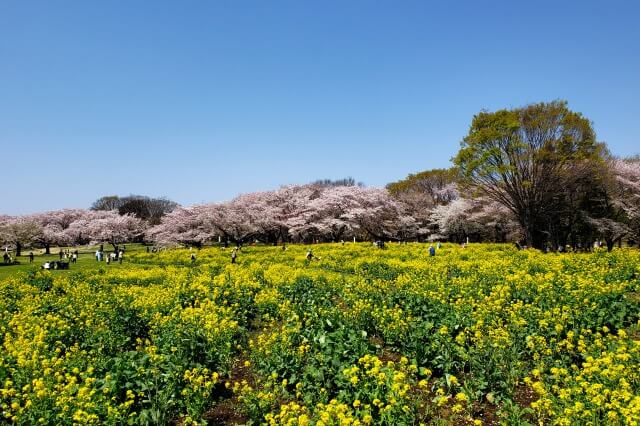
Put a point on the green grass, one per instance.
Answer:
(86, 260)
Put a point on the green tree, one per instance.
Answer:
(430, 183)
(523, 158)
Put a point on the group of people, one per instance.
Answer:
(116, 256)
(64, 255)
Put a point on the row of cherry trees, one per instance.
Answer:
(303, 213)
(68, 227)
(434, 210)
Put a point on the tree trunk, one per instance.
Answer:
(47, 248)
(610, 243)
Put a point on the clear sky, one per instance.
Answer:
(200, 101)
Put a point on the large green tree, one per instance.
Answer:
(526, 159)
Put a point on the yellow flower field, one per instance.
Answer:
(358, 336)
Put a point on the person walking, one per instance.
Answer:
(30, 257)
(120, 256)
(193, 258)
(432, 250)
(60, 253)
(234, 254)
(74, 258)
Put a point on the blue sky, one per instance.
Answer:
(200, 101)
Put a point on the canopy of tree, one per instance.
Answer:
(542, 163)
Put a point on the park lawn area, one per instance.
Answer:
(86, 260)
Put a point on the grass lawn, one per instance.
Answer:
(86, 260)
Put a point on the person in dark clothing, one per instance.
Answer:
(234, 254)
(30, 257)
(60, 254)
(432, 251)
(193, 258)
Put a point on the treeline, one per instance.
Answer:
(534, 175)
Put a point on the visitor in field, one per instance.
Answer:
(46, 266)
(108, 260)
(74, 257)
(60, 253)
(193, 258)
(439, 245)
(432, 250)
(121, 256)
(30, 257)
(234, 254)
(309, 254)
(5, 257)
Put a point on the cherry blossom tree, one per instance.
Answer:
(19, 232)
(108, 227)
(627, 175)
(453, 220)
(320, 212)
(184, 225)
(379, 216)
(55, 224)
